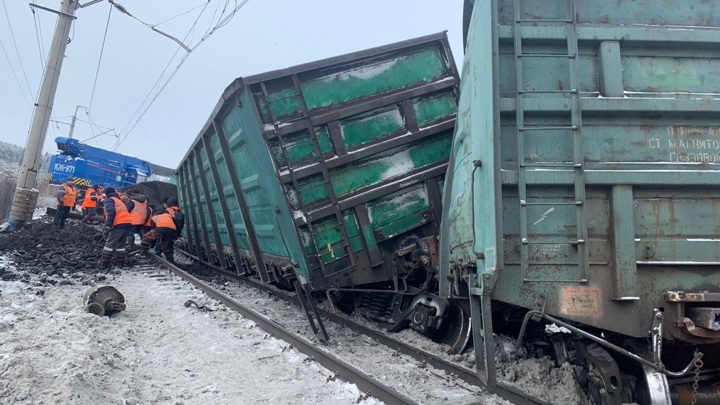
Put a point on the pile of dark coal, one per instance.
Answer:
(44, 253)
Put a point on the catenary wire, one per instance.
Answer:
(102, 49)
(12, 69)
(38, 36)
(17, 51)
(182, 14)
(220, 24)
(157, 82)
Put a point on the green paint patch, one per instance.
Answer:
(376, 78)
(284, 103)
(433, 109)
(327, 235)
(366, 173)
(300, 148)
(399, 212)
(370, 127)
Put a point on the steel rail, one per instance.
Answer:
(504, 391)
(343, 370)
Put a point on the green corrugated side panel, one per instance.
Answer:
(214, 198)
(360, 130)
(469, 224)
(397, 213)
(194, 209)
(300, 147)
(202, 202)
(275, 233)
(238, 225)
(631, 147)
(670, 74)
(434, 108)
(369, 172)
(188, 213)
(329, 237)
(368, 80)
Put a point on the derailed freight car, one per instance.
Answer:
(583, 189)
(330, 173)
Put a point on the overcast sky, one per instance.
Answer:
(264, 35)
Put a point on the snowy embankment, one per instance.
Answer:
(158, 351)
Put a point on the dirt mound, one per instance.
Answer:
(46, 251)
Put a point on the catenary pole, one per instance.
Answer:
(74, 118)
(26, 195)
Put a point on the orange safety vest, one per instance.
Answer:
(147, 223)
(122, 216)
(164, 221)
(138, 213)
(88, 202)
(68, 199)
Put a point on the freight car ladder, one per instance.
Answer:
(572, 123)
(313, 136)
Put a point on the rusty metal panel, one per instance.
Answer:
(620, 117)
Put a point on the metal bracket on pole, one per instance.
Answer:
(53, 11)
(89, 3)
(179, 42)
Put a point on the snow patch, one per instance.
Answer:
(362, 73)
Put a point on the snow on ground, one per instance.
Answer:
(39, 213)
(156, 352)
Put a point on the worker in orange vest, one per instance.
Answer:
(140, 214)
(89, 204)
(174, 210)
(66, 195)
(148, 224)
(118, 223)
(166, 227)
(100, 207)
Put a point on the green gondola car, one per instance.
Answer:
(331, 174)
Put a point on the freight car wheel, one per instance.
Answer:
(652, 387)
(456, 330)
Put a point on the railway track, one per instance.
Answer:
(345, 371)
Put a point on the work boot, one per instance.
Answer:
(122, 260)
(105, 258)
(169, 257)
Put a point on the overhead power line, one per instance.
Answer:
(102, 49)
(12, 69)
(221, 23)
(38, 36)
(181, 14)
(157, 82)
(17, 51)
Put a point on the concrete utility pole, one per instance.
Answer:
(74, 118)
(26, 195)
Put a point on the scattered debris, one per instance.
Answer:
(103, 300)
(201, 307)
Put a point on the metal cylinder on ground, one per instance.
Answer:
(103, 300)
